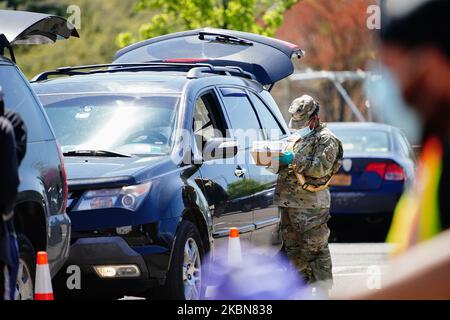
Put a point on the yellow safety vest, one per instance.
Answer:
(417, 215)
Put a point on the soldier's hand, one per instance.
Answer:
(286, 157)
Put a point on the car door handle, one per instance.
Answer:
(239, 172)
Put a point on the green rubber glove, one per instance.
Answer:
(286, 157)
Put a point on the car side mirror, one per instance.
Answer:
(220, 148)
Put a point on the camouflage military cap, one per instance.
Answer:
(303, 108)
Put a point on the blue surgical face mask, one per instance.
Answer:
(304, 132)
(385, 97)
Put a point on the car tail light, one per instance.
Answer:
(387, 171)
(394, 172)
(377, 167)
(64, 177)
(288, 44)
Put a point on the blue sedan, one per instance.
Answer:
(378, 163)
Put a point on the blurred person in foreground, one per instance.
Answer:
(415, 50)
(9, 181)
(256, 277)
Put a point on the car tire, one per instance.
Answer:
(185, 276)
(27, 268)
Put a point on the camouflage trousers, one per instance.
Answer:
(305, 234)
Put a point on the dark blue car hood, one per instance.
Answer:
(97, 168)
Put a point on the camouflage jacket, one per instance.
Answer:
(317, 156)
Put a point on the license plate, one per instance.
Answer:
(341, 180)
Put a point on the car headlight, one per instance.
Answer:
(129, 197)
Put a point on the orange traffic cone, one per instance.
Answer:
(234, 248)
(43, 287)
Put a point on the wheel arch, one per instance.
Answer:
(195, 216)
(30, 220)
(200, 220)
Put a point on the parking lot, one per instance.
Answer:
(150, 150)
(145, 197)
(354, 266)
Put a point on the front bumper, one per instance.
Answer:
(151, 260)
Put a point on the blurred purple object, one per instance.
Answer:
(258, 278)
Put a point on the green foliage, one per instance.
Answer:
(15, 4)
(257, 16)
(42, 6)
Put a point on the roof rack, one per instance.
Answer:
(195, 70)
(199, 71)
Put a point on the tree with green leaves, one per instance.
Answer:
(14, 4)
(49, 7)
(257, 16)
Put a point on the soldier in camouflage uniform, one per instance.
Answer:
(317, 156)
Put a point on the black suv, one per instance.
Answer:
(40, 213)
(157, 147)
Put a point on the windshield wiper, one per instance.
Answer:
(224, 38)
(95, 153)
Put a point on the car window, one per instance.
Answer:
(363, 141)
(207, 123)
(401, 146)
(404, 146)
(19, 98)
(203, 124)
(268, 99)
(270, 125)
(412, 154)
(244, 121)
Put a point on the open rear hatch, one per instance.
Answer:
(24, 28)
(268, 59)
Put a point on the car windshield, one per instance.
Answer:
(122, 124)
(363, 141)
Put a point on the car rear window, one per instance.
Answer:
(363, 141)
(19, 98)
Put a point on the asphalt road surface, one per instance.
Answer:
(354, 265)
(358, 264)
